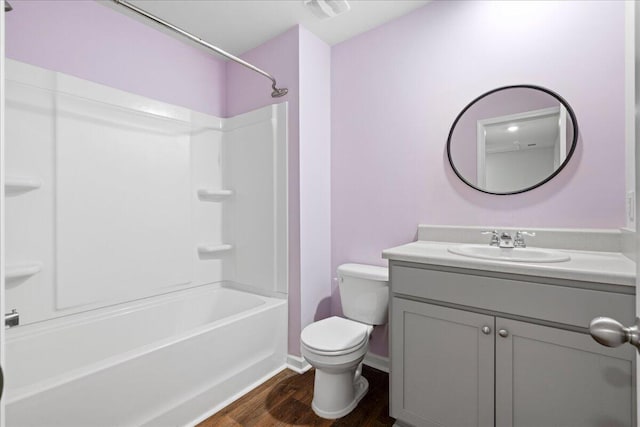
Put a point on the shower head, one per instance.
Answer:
(278, 92)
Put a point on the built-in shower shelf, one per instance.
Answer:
(213, 249)
(214, 195)
(17, 184)
(18, 271)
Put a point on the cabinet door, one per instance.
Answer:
(442, 366)
(552, 377)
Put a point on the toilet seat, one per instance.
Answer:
(335, 336)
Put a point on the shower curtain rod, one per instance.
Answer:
(277, 92)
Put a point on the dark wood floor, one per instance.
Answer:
(285, 400)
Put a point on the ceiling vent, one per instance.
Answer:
(324, 9)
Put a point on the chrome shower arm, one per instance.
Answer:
(277, 92)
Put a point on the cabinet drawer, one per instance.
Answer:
(561, 304)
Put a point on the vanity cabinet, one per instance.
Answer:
(462, 361)
(552, 377)
(442, 366)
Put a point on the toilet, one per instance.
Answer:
(336, 346)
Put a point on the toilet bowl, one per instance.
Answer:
(336, 346)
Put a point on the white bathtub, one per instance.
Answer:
(166, 361)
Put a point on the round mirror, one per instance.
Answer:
(512, 139)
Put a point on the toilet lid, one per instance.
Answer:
(334, 334)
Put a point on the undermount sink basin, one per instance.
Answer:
(510, 254)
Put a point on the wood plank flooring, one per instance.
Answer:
(285, 400)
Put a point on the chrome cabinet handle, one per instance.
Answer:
(486, 330)
(611, 333)
(503, 333)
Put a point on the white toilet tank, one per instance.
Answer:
(364, 292)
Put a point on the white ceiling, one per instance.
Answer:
(532, 133)
(240, 25)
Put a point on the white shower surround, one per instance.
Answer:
(117, 215)
(160, 237)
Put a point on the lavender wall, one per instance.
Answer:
(315, 178)
(93, 42)
(397, 89)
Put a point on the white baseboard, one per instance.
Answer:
(297, 364)
(380, 363)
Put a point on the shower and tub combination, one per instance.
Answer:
(146, 253)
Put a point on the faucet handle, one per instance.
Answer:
(519, 239)
(525, 233)
(495, 237)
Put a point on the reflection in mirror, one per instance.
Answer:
(512, 139)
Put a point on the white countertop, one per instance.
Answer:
(588, 266)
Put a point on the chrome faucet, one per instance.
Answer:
(519, 242)
(503, 239)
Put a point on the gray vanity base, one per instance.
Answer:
(471, 349)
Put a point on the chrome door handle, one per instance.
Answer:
(486, 330)
(611, 333)
(503, 333)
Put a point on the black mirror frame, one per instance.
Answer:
(547, 179)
